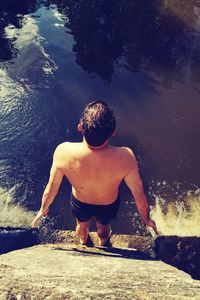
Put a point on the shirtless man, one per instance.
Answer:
(95, 170)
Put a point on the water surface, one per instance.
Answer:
(142, 57)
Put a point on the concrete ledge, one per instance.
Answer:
(61, 272)
(181, 252)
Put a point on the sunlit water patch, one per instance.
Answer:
(8, 87)
(31, 62)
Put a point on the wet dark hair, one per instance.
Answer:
(97, 122)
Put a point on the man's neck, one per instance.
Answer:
(101, 147)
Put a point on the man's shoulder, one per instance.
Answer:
(63, 145)
(63, 148)
(129, 151)
(128, 154)
(123, 153)
(125, 150)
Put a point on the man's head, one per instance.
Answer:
(97, 123)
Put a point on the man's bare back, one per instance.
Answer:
(95, 170)
(95, 174)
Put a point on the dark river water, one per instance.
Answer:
(143, 58)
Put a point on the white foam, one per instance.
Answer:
(180, 218)
(11, 214)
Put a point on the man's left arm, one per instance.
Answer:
(50, 191)
(135, 184)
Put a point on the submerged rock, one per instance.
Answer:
(61, 271)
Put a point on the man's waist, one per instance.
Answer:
(106, 199)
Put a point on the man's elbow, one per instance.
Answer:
(137, 188)
(139, 195)
(50, 191)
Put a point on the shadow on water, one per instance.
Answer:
(143, 56)
(180, 252)
(17, 238)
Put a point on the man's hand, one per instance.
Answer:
(38, 218)
(151, 224)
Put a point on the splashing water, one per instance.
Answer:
(178, 218)
(13, 215)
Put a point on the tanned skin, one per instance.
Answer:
(95, 174)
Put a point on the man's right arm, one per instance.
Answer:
(51, 189)
(135, 184)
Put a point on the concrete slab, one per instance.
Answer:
(64, 271)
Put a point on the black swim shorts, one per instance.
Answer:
(103, 213)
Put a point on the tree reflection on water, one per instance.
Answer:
(150, 35)
(12, 13)
(132, 34)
